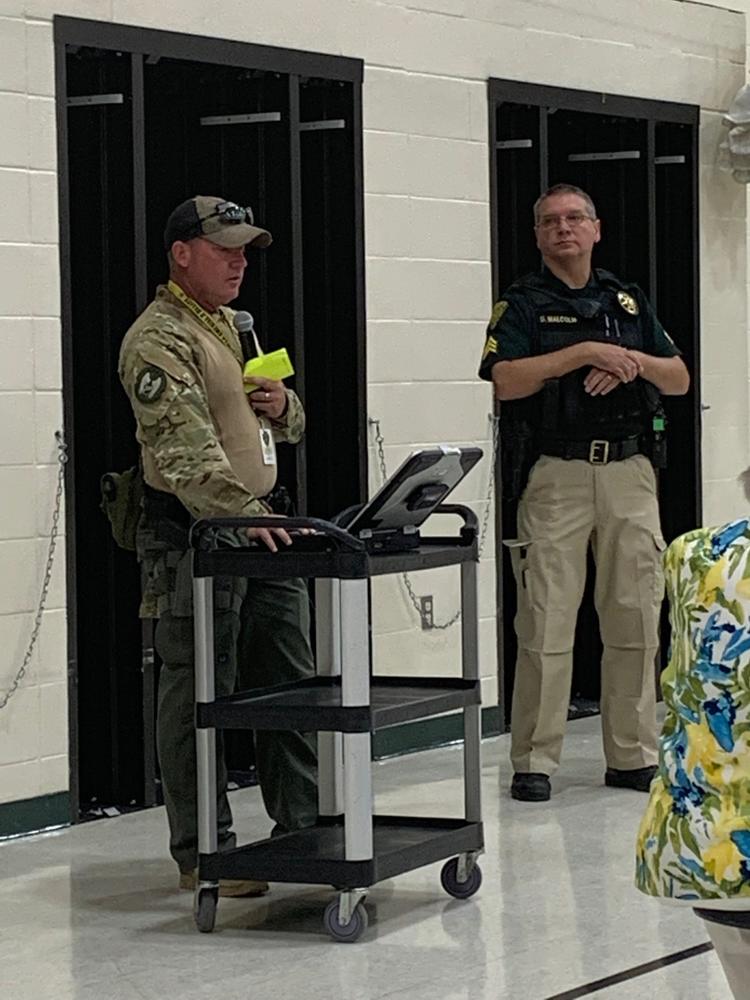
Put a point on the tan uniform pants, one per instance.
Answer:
(566, 506)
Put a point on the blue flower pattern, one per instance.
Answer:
(694, 841)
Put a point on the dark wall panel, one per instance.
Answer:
(124, 166)
(101, 237)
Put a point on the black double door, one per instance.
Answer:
(638, 161)
(145, 120)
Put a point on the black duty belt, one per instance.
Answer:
(168, 518)
(159, 504)
(596, 452)
(172, 520)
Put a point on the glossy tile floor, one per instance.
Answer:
(92, 912)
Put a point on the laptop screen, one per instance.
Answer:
(416, 488)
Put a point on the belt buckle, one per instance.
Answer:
(599, 452)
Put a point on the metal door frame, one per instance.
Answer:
(652, 111)
(142, 43)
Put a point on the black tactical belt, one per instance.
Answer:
(596, 452)
(172, 520)
(159, 504)
(168, 518)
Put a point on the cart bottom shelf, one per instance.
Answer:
(316, 855)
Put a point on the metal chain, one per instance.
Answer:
(380, 445)
(62, 458)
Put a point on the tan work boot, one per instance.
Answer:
(228, 887)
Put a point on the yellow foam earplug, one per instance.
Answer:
(274, 365)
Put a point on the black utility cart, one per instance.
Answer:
(349, 848)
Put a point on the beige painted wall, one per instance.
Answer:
(428, 267)
(724, 432)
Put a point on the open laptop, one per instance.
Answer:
(405, 501)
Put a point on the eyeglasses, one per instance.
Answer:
(572, 219)
(228, 211)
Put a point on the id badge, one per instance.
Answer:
(267, 446)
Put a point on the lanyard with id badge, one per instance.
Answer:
(275, 365)
(267, 446)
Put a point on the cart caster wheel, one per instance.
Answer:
(347, 933)
(460, 890)
(205, 909)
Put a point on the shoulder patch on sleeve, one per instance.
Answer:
(497, 313)
(150, 383)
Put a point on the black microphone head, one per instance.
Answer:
(243, 322)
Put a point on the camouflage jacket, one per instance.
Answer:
(198, 434)
(162, 368)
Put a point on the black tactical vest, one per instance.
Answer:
(564, 411)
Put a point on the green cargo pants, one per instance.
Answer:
(261, 637)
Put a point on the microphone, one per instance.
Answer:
(244, 324)
(275, 365)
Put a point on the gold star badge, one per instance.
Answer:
(628, 303)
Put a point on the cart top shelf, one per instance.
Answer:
(329, 553)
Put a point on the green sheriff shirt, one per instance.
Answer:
(515, 319)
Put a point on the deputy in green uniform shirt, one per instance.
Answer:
(579, 361)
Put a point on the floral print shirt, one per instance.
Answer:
(694, 841)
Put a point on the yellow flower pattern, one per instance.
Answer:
(694, 839)
(722, 861)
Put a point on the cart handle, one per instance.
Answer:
(470, 528)
(203, 532)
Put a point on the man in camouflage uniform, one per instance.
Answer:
(208, 449)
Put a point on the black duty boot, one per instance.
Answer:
(639, 779)
(530, 787)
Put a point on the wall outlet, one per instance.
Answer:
(426, 612)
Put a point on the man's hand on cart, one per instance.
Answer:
(270, 535)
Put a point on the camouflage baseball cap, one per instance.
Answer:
(222, 222)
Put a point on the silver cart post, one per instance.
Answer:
(328, 664)
(205, 739)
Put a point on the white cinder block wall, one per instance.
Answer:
(722, 418)
(428, 266)
(33, 728)
(428, 294)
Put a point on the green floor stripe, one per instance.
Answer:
(429, 733)
(31, 815)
